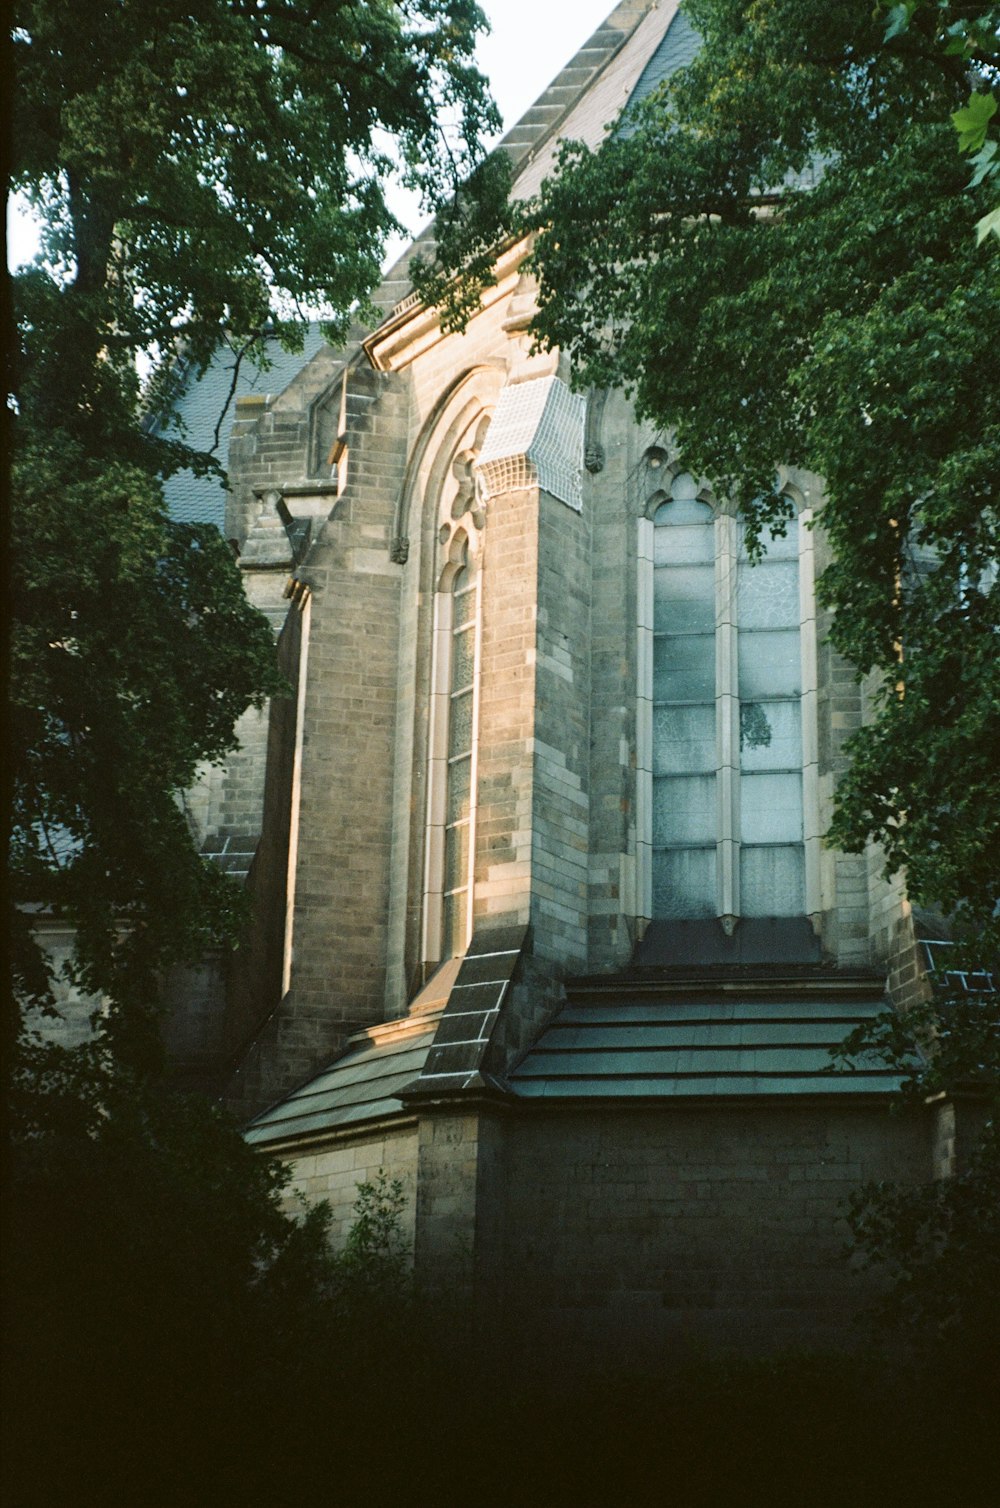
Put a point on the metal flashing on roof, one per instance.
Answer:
(438, 1047)
(362, 1085)
(621, 1043)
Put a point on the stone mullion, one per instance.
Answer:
(644, 725)
(437, 775)
(727, 723)
(812, 827)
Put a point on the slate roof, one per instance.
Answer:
(202, 500)
(678, 48)
(361, 1085)
(713, 1040)
(617, 1040)
(583, 100)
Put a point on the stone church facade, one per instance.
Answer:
(544, 922)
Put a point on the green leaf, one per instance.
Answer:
(899, 19)
(972, 121)
(988, 225)
(985, 163)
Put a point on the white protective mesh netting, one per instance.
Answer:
(535, 439)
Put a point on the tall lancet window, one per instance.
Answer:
(684, 711)
(725, 766)
(769, 683)
(461, 722)
(452, 782)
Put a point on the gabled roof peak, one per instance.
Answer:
(581, 102)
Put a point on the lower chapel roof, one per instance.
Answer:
(627, 1040)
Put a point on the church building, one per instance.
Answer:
(544, 923)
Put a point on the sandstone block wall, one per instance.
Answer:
(638, 1236)
(333, 1173)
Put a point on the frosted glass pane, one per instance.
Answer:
(772, 881)
(690, 544)
(786, 548)
(771, 808)
(463, 658)
(767, 595)
(770, 736)
(684, 668)
(684, 883)
(684, 809)
(770, 664)
(460, 726)
(683, 513)
(456, 856)
(683, 740)
(684, 598)
(459, 783)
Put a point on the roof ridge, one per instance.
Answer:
(620, 25)
(614, 36)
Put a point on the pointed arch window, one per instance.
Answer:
(453, 757)
(727, 784)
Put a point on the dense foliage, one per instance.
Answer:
(207, 168)
(939, 1242)
(221, 165)
(787, 272)
(171, 1331)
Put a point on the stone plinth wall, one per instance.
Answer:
(648, 1238)
(333, 1173)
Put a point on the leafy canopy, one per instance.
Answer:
(787, 273)
(218, 155)
(199, 168)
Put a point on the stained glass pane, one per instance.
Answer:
(770, 736)
(771, 808)
(684, 809)
(460, 726)
(770, 664)
(683, 740)
(677, 544)
(463, 654)
(772, 881)
(684, 883)
(456, 856)
(465, 611)
(683, 512)
(453, 923)
(684, 599)
(459, 782)
(777, 547)
(768, 594)
(684, 668)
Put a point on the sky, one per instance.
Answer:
(529, 43)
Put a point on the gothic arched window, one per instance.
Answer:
(452, 773)
(723, 770)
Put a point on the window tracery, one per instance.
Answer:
(726, 798)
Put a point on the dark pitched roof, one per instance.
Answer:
(202, 500)
(664, 1041)
(361, 1085)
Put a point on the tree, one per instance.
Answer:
(970, 32)
(173, 1334)
(787, 273)
(207, 168)
(202, 167)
